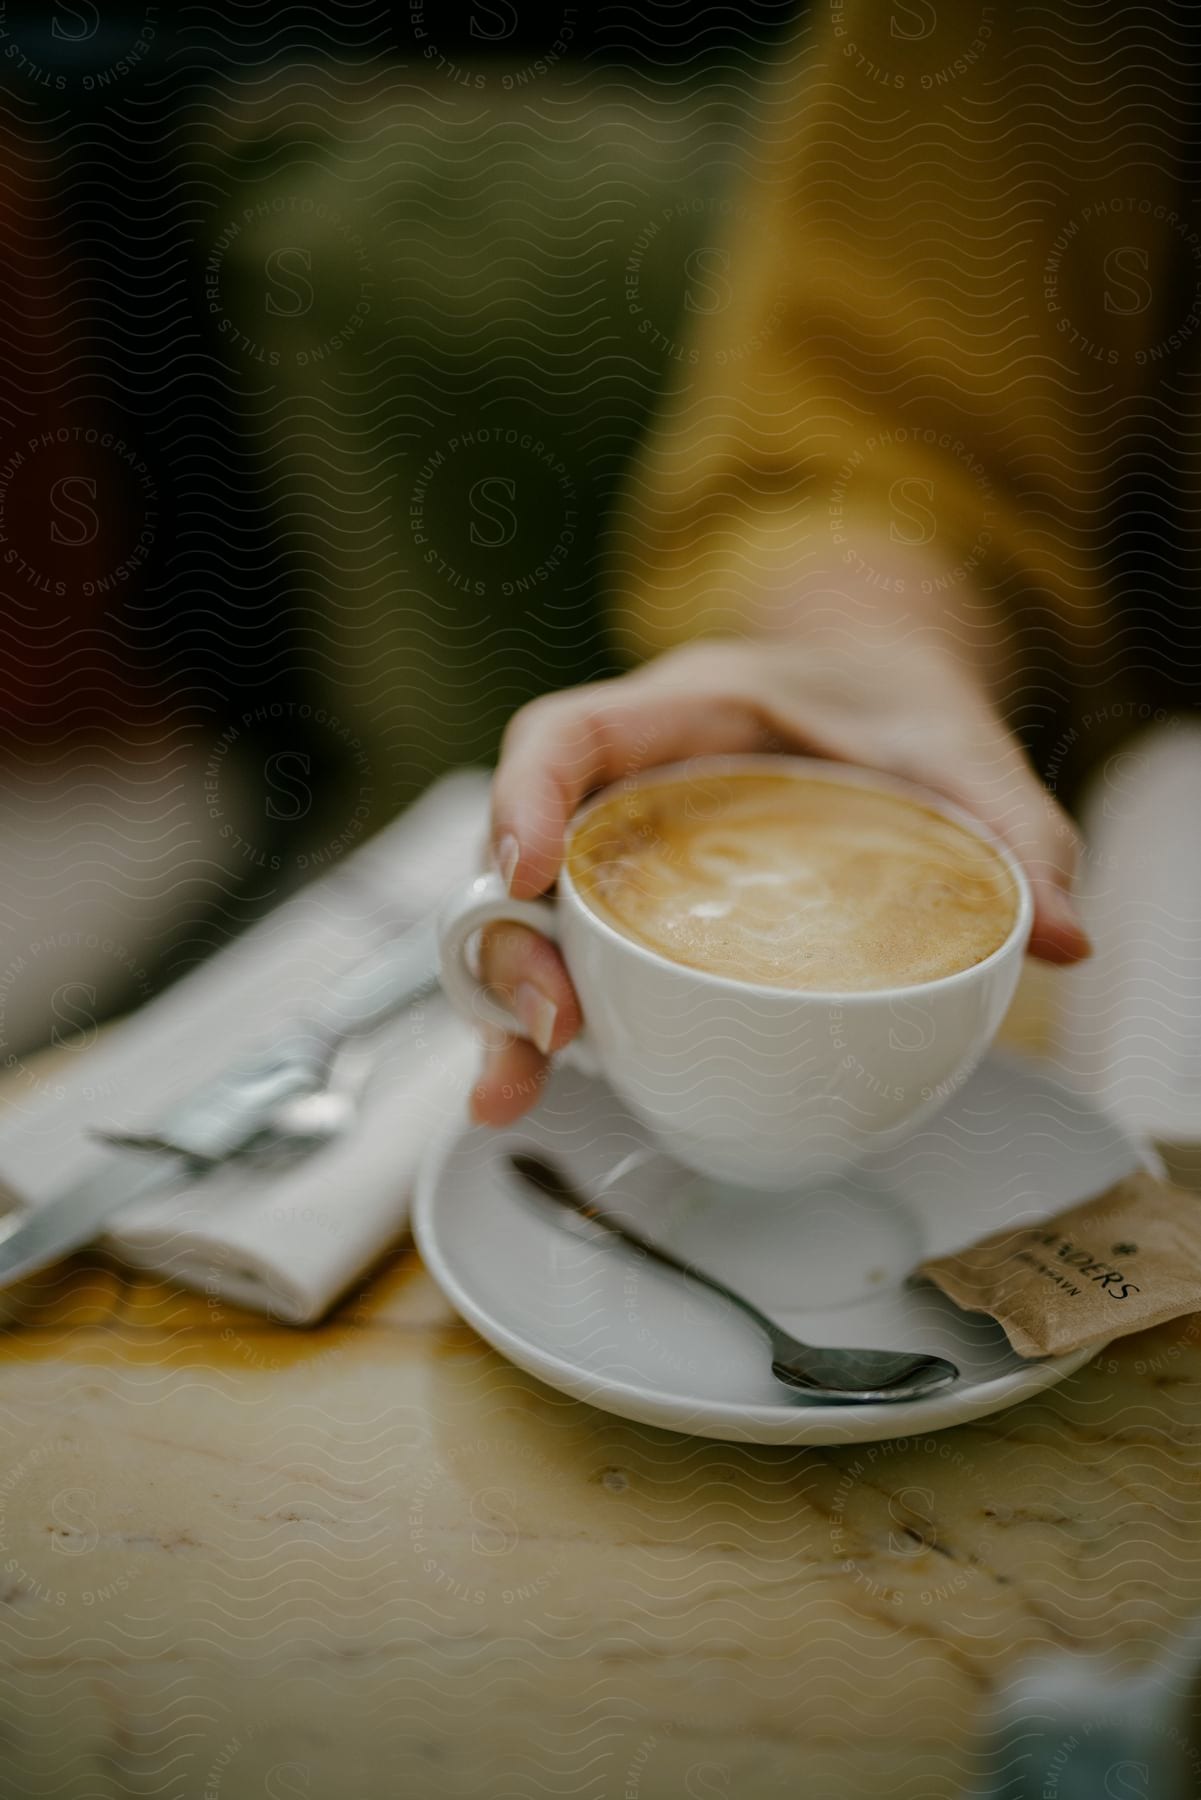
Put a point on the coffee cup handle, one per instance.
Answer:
(486, 901)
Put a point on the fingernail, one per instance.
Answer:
(508, 855)
(536, 1014)
(1064, 908)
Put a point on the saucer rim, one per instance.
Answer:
(813, 1422)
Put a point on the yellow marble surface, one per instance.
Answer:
(375, 1562)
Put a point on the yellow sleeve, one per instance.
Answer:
(948, 286)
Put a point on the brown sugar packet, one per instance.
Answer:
(1123, 1261)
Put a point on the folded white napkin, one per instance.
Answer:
(286, 1242)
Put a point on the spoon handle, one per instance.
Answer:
(553, 1186)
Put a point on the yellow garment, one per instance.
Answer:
(957, 271)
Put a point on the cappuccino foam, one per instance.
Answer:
(788, 882)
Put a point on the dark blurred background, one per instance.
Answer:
(331, 332)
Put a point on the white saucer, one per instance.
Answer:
(592, 1318)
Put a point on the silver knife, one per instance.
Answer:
(211, 1125)
(36, 1236)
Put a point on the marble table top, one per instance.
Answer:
(375, 1562)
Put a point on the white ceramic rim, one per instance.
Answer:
(812, 768)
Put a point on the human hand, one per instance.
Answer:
(906, 709)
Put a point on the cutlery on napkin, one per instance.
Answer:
(285, 1240)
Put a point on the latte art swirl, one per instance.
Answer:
(784, 881)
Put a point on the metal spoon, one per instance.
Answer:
(290, 1098)
(854, 1376)
(274, 1110)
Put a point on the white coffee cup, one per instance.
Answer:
(758, 1086)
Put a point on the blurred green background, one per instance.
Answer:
(449, 311)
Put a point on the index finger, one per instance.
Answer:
(558, 749)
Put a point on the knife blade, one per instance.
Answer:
(36, 1236)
